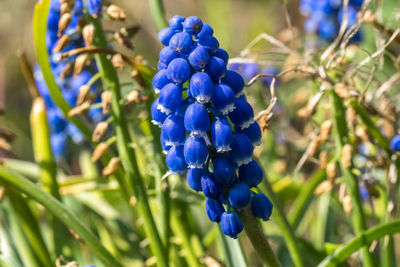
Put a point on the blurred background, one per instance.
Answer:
(235, 23)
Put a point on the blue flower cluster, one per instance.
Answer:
(207, 126)
(324, 17)
(69, 84)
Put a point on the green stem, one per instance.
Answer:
(358, 216)
(126, 153)
(23, 185)
(257, 238)
(287, 232)
(158, 13)
(233, 253)
(304, 198)
(362, 240)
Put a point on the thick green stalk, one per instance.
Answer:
(287, 232)
(304, 198)
(358, 216)
(126, 153)
(158, 14)
(257, 238)
(362, 240)
(23, 185)
(48, 169)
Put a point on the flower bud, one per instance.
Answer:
(88, 34)
(63, 23)
(239, 195)
(106, 98)
(231, 224)
(261, 206)
(214, 209)
(99, 151)
(99, 131)
(115, 12)
(111, 167)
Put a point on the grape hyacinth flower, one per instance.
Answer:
(207, 126)
(324, 18)
(61, 38)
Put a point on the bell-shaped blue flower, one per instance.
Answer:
(165, 35)
(251, 173)
(223, 99)
(199, 58)
(160, 80)
(196, 120)
(242, 149)
(216, 68)
(170, 98)
(173, 130)
(205, 30)
(210, 43)
(175, 160)
(261, 206)
(253, 132)
(235, 81)
(157, 115)
(243, 115)
(161, 65)
(231, 224)
(56, 119)
(193, 178)
(181, 42)
(224, 170)
(167, 55)
(239, 195)
(222, 54)
(58, 142)
(164, 146)
(214, 209)
(249, 70)
(192, 25)
(94, 8)
(176, 22)
(395, 143)
(221, 135)
(201, 87)
(211, 187)
(178, 70)
(195, 152)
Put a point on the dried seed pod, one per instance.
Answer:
(347, 205)
(63, 23)
(63, 42)
(331, 171)
(323, 187)
(117, 61)
(99, 151)
(115, 12)
(347, 151)
(66, 8)
(88, 34)
(135, 97)
(138, 78)
(99, 131)
(325, 131)
(323, 160)
(4, 144)
(106, 98)
(79, 109)
(123, 40)
(111, 167)
(369, 16)
(84, 91)
(80, 63)
(314, 146)
(129, 31)
(351, 117)
(67, 70)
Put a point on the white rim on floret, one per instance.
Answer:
(196, 166)
(164, 109)
(203, 99)
(165, 152)
(223, 149)
(246, 124)
(228, 109)
(156, 90)
(244, 161)
(199, 134)
(159, 124)
(170, 143)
